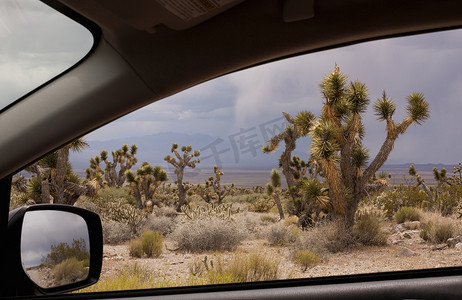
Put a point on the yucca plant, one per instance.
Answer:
(55, 180)
(337, 135)
(272, 189)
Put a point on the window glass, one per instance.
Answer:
(334, 163)
(37, 43)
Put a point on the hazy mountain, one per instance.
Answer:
(224, 151)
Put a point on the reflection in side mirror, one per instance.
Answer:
(55, 247)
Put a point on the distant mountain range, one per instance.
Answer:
(227, 152)
(236, 153)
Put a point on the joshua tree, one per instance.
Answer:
(336, 138)
(123, 159)
(54, 177)
(272, 188)
(146, 181)
(213, 192)
(420, 182)
(180, 163)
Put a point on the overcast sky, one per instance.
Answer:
(223, 107)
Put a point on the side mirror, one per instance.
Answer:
(53, 249)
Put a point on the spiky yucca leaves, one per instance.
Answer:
(272, 189)
(180, 162)
(213, 191)
(384, 108)
(55, 180)
(418, 109)
(314, 193)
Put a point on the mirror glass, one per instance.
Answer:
(55, 247)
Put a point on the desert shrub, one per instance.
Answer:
(281, 235)
(244, 268)
(152, 243)
(306, 259)
(165, 211)
(70, 270)
(162, 224)
(116, 232)
(266, 219)
(208, 211)
(135, 248)
(208, 235)
(292, 220)
(407, 213)
(113, 193)
(368, 230)
(262, 204)
(327, 237)
(136, 276)
(447, 201)
(438, 232)
(391, 201)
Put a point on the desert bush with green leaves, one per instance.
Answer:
(306, 259)
(407, 213)
(150, 243)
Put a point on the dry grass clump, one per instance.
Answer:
(407, 213)
(208, 235)
(327, 237)
(150, 243)
(306, 259)
(115, 232)
(268, 219)
(70, 270)
(136, 276)
(280, 235)
(368, 230)
(438, 229)
(243, 268)
(162, 224)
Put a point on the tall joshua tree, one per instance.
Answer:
(336, 138)
(123, 159)
(292, 167)
(146, 181)
(180, 162)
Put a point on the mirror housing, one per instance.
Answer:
(20, 226)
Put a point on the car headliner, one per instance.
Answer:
(132, 66)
